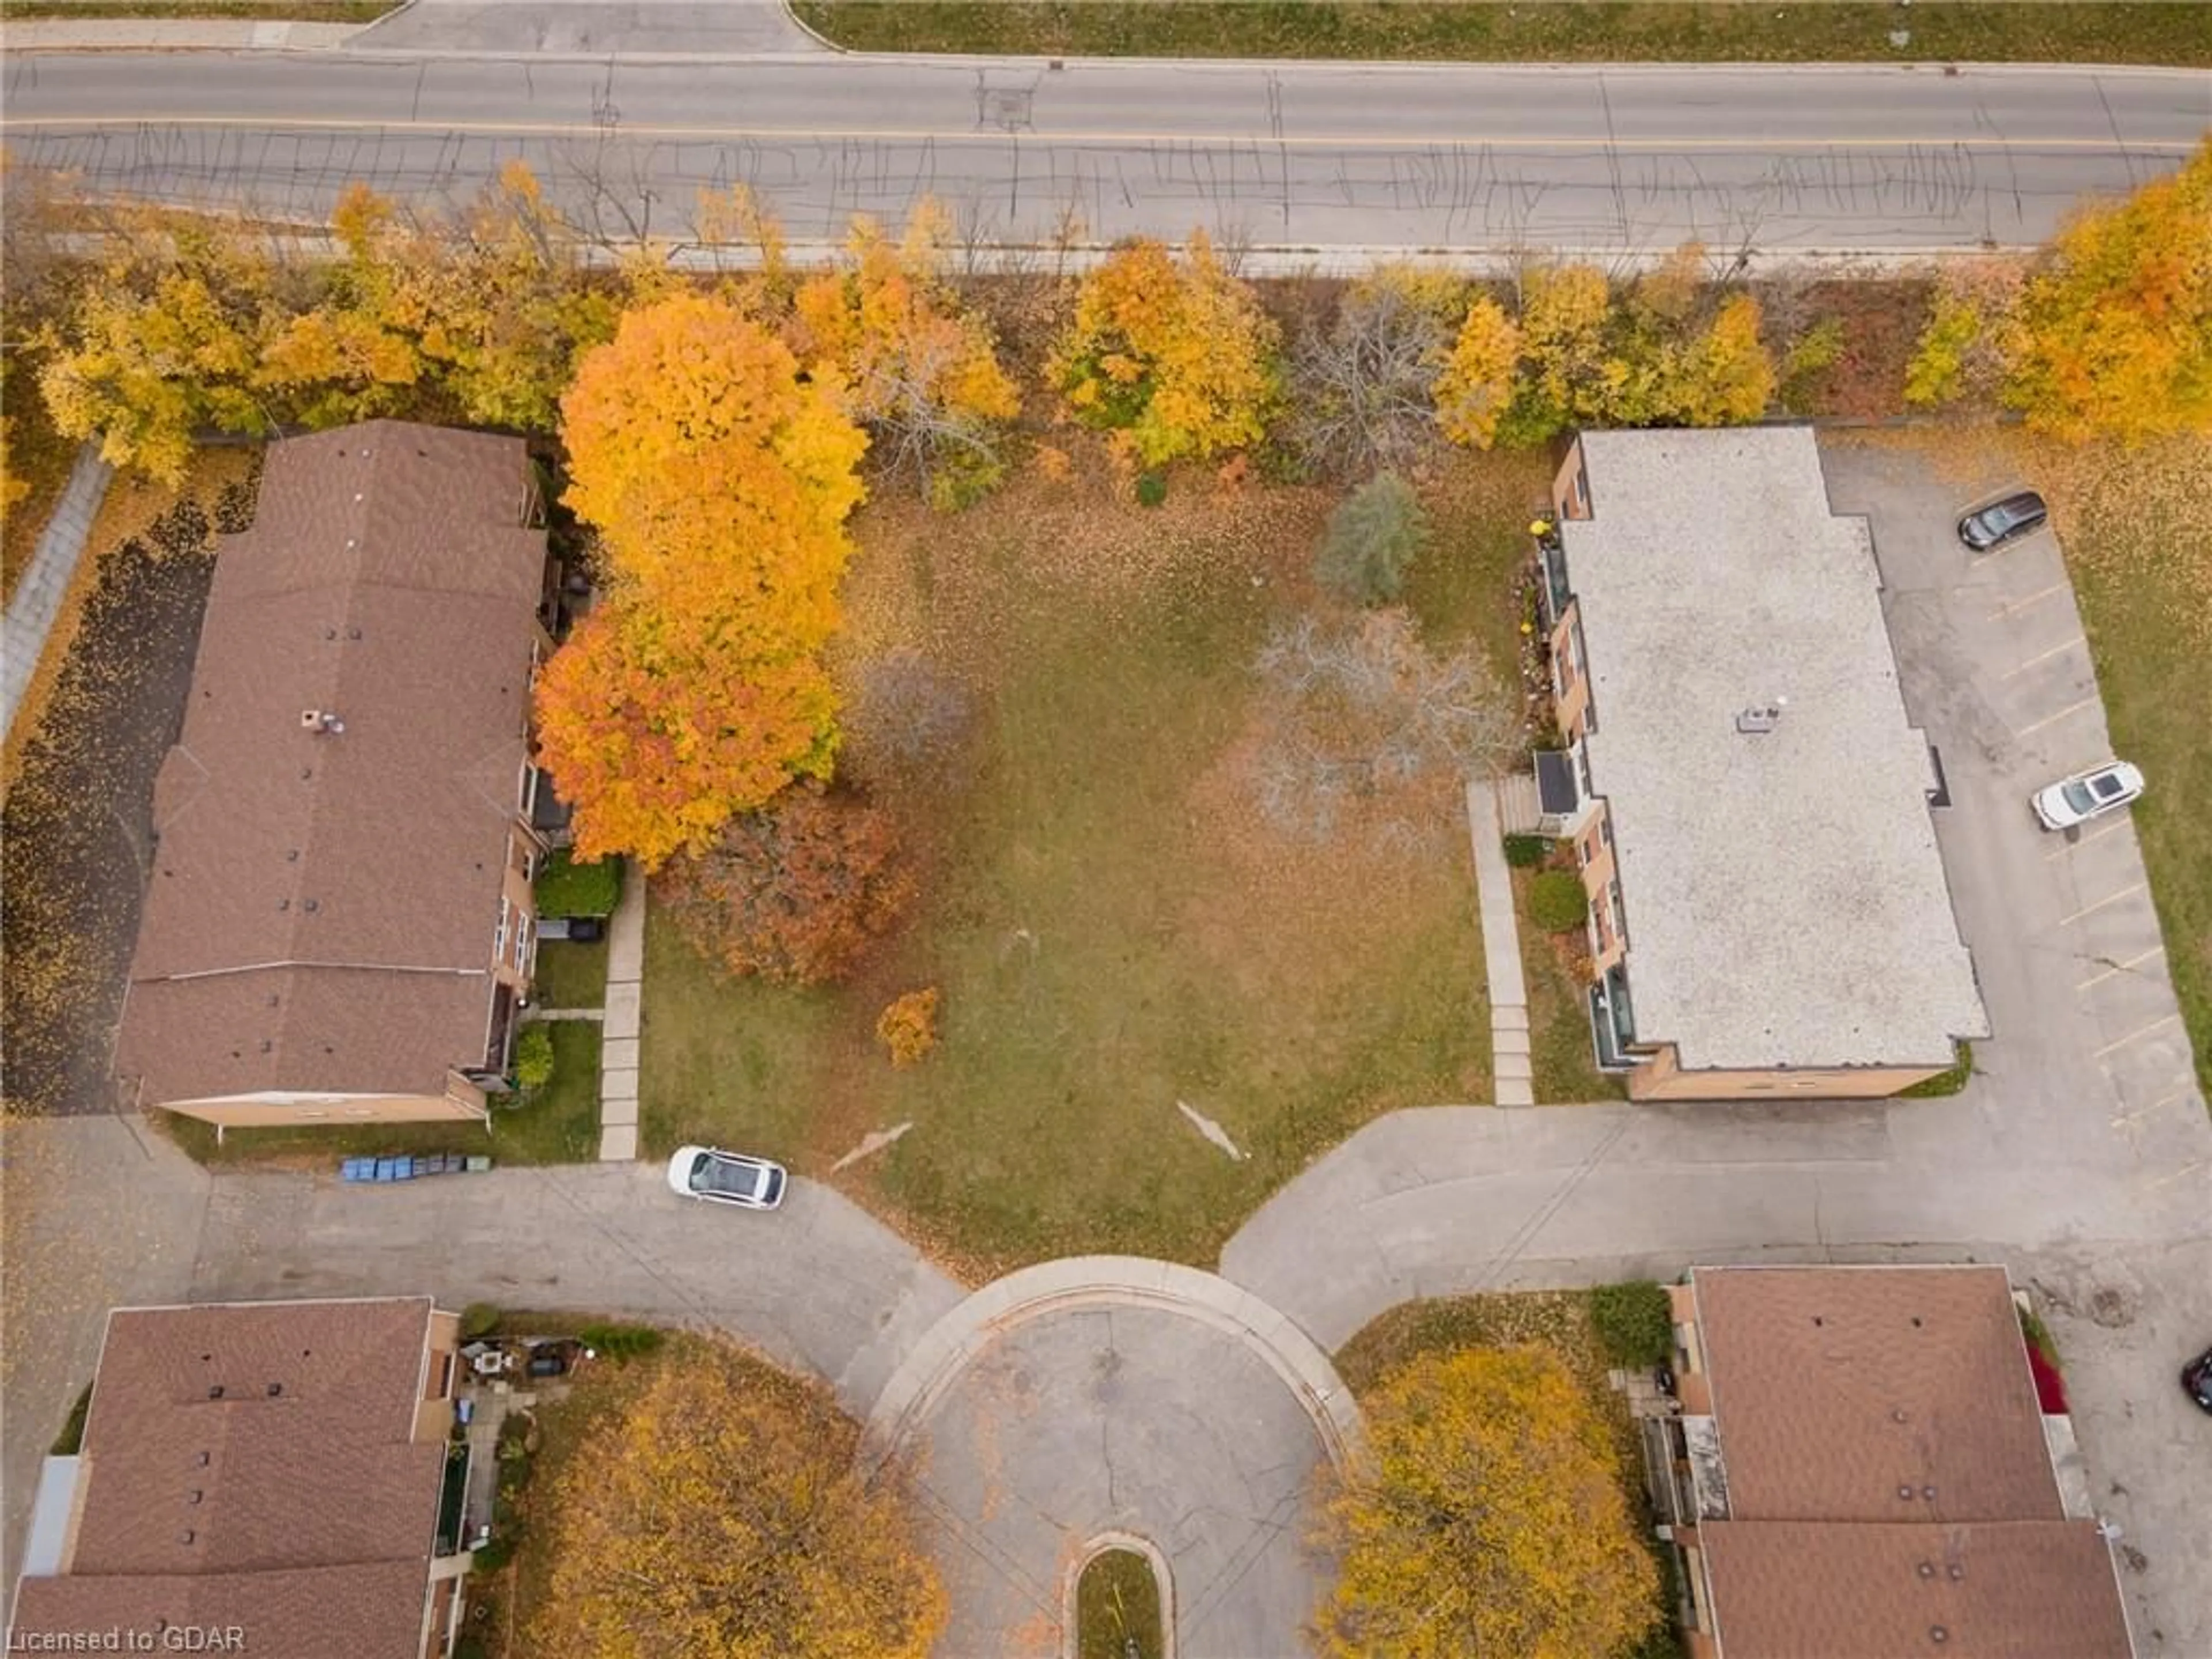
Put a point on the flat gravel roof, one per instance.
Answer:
(1784, 898)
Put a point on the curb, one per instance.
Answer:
(948, 1347)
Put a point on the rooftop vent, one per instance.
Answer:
(1761, 717)
(215, 1391)
(319, 720)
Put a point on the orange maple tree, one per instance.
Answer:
(719, 481)
(2114, 334)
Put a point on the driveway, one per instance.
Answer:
(602, 28)
(2080, 1154)
(820, 1286)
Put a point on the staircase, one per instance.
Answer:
(1519, 811)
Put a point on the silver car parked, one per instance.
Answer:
(753, 1183)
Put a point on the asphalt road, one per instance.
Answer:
(1298, 159)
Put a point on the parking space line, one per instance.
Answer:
(2052, 719)
(2109, 898)
(2140, 1030)
(2040, 656)
(2121, 967)
(2002, 612)
(2061, 852)
(2172, 1176)
(2158, 1105)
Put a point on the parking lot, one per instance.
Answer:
(1994, 666)
(2087, 1070)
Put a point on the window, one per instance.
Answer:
(499, 938)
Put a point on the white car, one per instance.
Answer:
(754, 1184)
(2087, 795)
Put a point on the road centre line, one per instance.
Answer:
(2111, 898)
(2140, 1030)
(2113, 827)
(2041, 656)
(257, 122)
(2099, 978)
(2052, 719)
(2004, 610)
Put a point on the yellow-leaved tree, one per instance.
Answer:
(1493, 1521)
(719, 481)
(2115, 331)
(356, 355)
(921, 374)
(718, 1514)
(1478, 376)
(498, 301)
(1174, 357)
(165, 341)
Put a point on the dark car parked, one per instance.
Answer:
(2197, 1379)
(1999, 522)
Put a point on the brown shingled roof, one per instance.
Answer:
(256, 1464)
(1838, 1391)
(373, 1610)
(2028, 1589)
(305, 1458)
(389, 580)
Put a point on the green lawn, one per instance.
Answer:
(570, 976)
(1117, 1608)
(1113, 931)
(560, 1126)
(2138, 536)
(1560, 1044)
(1540, 31)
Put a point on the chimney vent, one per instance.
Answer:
(1761, 717)
(319, 720)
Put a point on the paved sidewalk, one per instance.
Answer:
(621, 1023)
(1513, 1075)
(45, 581)
(171, 34)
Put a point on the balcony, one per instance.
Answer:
(1552, 590)
(1612, 1021)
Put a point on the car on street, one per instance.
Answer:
(2197, 1379)
(1993, 526)
(2087, 795)
(753, 1183)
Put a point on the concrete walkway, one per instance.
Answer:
(622, 1021)
(1513, 1075)
(38, 597)
(171, 34)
